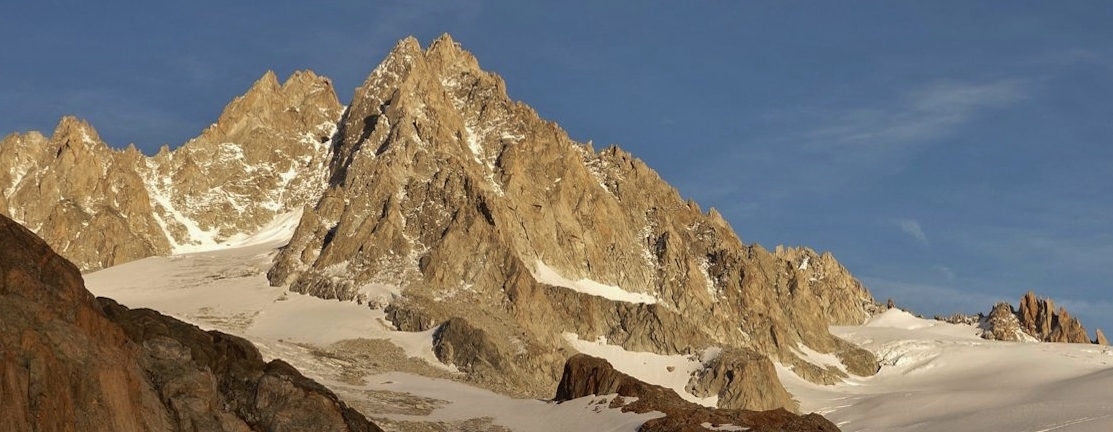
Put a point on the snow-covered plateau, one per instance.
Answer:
(935, 376)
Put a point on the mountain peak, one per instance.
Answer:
(444, 186)
(268, 80)
(305, 81)
(444, 43)
(406, 48)
(71, 129)
(304, 99)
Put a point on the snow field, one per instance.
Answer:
(225, 288)
(937, 376)
(670, 371)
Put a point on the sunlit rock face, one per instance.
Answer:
(100, 207)
(499, 231)
(1036, 320)
(512, 236)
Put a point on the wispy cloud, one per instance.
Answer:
(920, 114)
(1077, 56)
(913, 229)
(836, 142)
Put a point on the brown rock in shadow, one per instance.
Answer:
(585, 376)
(69, 362)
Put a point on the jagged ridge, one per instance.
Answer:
(1036, 320)
(101, 207)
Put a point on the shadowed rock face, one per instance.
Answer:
(585, 376)
(69, 362)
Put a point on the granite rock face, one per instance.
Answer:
(1036, 320)
(86, 200)
(69, 362)
(492, 220)
(100, 207)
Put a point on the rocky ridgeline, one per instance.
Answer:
(101, 207)
(69, 362)
(1036, 320)
(500, 230)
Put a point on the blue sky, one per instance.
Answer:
(950, 154)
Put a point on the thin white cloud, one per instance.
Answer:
(835, 142)
(913, 229)
(921, 114)
(1077, 56)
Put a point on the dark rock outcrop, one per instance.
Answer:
(585, 376)
(740, 378)
(1002, 324)
(1037, 320)
(69, 362)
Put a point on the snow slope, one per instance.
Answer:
(547, 275)
(226, 289)
(937, 376)
(524, 415)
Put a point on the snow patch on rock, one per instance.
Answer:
(547, 275)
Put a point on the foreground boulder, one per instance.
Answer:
(69, 362)
(585, 376)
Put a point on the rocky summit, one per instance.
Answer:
(69, 362)
(1036, 320)
(508, 238)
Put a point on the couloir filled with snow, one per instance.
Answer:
(934, 376)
